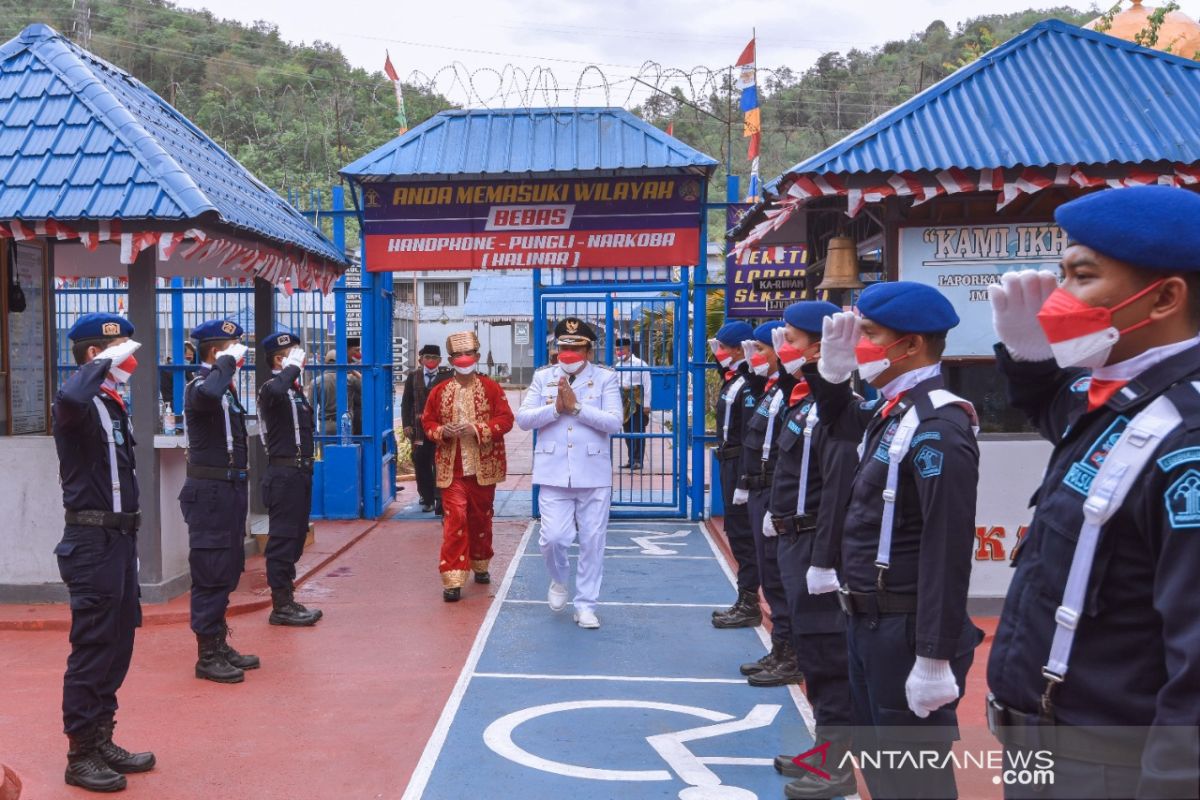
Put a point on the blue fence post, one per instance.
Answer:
(697, 360)
(540, 357)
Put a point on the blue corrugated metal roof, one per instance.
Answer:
(520, 141)
(1054, 95)
(500, 298)
(82, 139)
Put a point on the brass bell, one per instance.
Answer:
(841, 265)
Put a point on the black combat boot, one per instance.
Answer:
(782, 672)
(810, 786)
(118, 758)
(745, 613)
(86, 767)
(239, 660)
(766, 662)
(212, 664)
(286, 611)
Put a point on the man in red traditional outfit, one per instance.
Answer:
(467, 418)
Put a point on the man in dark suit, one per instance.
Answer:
(412, 404)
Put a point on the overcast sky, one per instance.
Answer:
(618, 36)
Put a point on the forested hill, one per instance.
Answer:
(292, 113)
(295, 113)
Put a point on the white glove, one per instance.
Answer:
(117, 353)
(821, 580)
(238, 351)
(839, 334)
(1016, 301)
(769, 526)
(741, 497)
(295, 358)
(778, 338)
(748, 348)
(930, 686)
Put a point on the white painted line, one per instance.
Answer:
(802, 704)
(734, 761)
(620, 603)
(654, 558)
(617, 678)
(433, 748)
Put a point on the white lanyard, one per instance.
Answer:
(107, 423)
(228, 426)
(262, 422)
(730, 396)
(896, 450)
(772, 412)
(810, 422)
(1120, 470)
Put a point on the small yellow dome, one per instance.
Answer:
(1179, 33)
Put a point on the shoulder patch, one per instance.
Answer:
(542, 368)
(604, 366)
(924, 437)
(1183, 501)
(1079, 477)
(1177, 457)
(1081, 385)
(928, 462)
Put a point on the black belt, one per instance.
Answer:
(875, 603)
(728, 452)
(802, 523)
(126, 522)
(762, 481)
(1022, 731)
(299, 462)
(231, 474)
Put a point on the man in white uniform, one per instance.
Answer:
(575, 406)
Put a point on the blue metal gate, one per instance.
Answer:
(649, 307)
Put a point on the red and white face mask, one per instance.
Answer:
(1081, 335)
(124, 371)
(464, 365)
(873, 358)
(571, 361)
(759, 364)
(791, 358)
(725, 357)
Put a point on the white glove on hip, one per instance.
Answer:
(238, 351)
(821, 580)
(839, 334)
(1016, 301)
(769, 526)
(930, 686)
(741, 497)
(295, 358)
(117, 353)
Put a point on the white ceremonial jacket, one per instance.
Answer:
(573, 450)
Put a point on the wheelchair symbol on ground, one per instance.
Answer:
(703, 783)
(649, 541)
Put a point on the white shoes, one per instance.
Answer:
(557, 596)
(587, 619)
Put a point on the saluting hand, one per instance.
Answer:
(839, 334)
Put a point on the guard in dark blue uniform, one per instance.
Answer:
(97, 556)
(808, 496)
(759, 454)
(285, 421)
(1106, 578)
(739, 393)
(908, 531)
(213, 498)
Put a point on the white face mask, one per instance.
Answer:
(571, 369)
(873, 369)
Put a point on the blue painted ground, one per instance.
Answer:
(548, 710)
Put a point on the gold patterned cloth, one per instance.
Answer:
(480, 403)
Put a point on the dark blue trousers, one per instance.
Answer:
(766, 553)
(215, 512)
(737, 529)
(287, 494)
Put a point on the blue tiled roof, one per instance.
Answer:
(1054, 95)
(500, 297)
(81, 139)
(519, 141)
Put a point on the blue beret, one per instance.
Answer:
(280, 340)
(763, 332)
(808, 314)
(99, 326)
(1157, 227)
(734, 333)
(217, 329)
(907, 307)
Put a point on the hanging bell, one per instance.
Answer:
(841, 265)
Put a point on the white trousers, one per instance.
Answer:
(566, 511)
